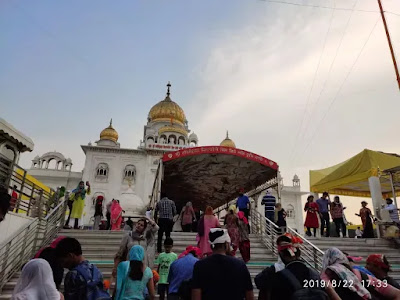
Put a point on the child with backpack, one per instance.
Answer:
(83, 281)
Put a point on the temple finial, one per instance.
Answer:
(111, 122)
(168, 89)
(227, 134)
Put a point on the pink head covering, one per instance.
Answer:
(242, 217)
(190, 249)
(52, 245)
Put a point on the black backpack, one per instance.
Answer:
(305, 293)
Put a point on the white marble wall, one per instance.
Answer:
(114, 185)
(290, 198)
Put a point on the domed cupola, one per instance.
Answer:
(227, 142)
(109, 133)
(167, 111)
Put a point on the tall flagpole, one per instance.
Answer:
(396, 69)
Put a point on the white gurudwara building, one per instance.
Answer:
(128, 174)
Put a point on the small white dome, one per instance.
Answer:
(193, 137)
(131, 203)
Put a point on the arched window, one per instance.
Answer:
(9, 152)
(162, 139)
(102, 170)
(290, 212)
(172, 139)
(52, 164)
(150, 140)
(129, 172)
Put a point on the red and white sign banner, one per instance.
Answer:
(220, 150)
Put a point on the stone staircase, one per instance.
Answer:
(363, 248)
(99, 247)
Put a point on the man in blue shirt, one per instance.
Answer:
(243, 203)
(181, 272)
(269, 201)
(324, 205)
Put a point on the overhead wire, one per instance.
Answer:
(318, 6)
(340, 88)
(392, 13)
(312, 87)
(330, 69)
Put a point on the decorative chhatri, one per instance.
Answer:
(109, 133)
(227, 142)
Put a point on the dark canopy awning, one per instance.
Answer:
(213, 175)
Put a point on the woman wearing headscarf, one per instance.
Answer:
(134, 279)
(143, 235)
(116, 215)
(232, 225)
(349, 283)
(36, 282)
(244, 241)
(366, 218)
(187, 217)
(78, 196)
(206, 222)
(49, 254)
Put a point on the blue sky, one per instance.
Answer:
(67, 67)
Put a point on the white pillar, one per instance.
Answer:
(376, 193)
(377, 199)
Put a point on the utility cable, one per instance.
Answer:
(339, 90)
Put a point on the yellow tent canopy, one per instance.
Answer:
(350, 178)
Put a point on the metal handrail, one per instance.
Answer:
(269, 231)
(31, 237)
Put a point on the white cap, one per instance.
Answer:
(219, 236)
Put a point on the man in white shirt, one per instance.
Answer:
(393, 210)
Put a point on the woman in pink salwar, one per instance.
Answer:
(116, 215)
(206, 222)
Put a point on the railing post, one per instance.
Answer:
(315, 258)
(21, 191)
(30, 200)
(39, 223)
(4, 266)
(21, 255)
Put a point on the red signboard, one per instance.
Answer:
(220, 150)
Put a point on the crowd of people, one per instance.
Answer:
(192, 275)
(210, 269)
(292, 278)
(319, 213)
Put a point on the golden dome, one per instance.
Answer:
(227, 142)
(167, 111)
(109, 133)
